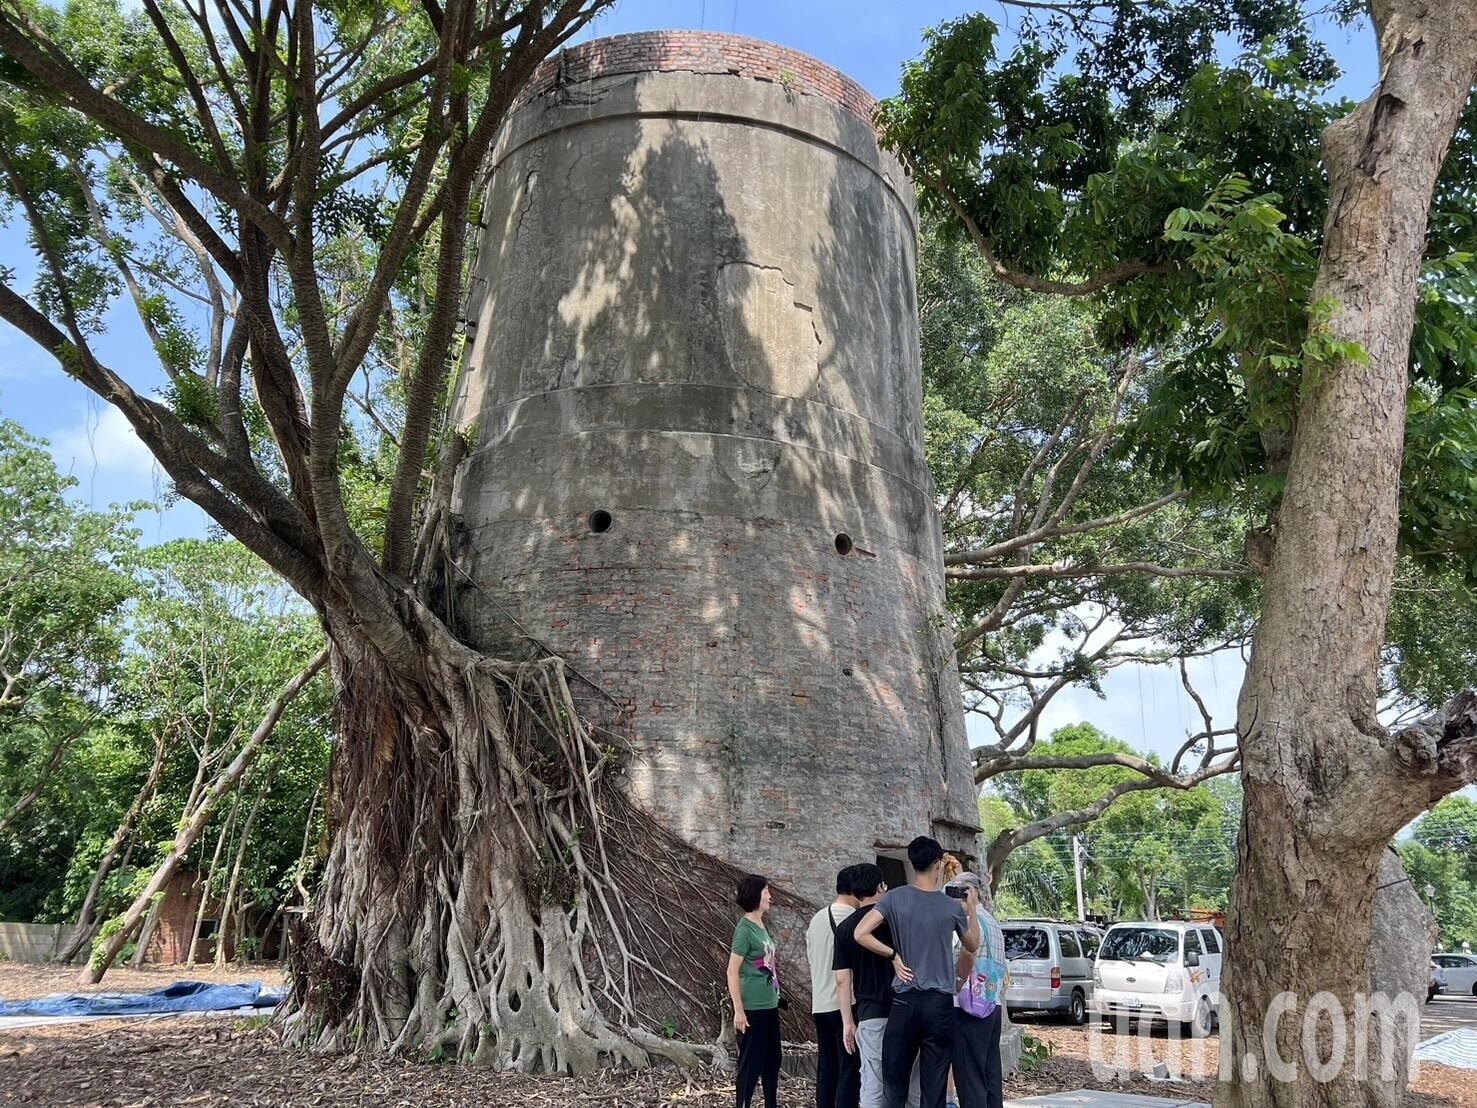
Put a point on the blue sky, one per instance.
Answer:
(867, 39)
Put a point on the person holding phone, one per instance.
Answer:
(980, 978)
(924, 921)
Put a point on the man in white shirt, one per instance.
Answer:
(820, 950)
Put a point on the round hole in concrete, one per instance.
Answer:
(843, 543)
(601, 521)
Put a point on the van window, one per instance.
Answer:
(1212, 941)
(1026, 942)
(1090, 943)
(1068, 939)
(1150, 944)
(1192, 942)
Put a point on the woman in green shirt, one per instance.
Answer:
(754, 988)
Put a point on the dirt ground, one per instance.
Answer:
(200, 1060)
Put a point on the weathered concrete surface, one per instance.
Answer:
(34, 942)
(695, 311)
(1404, 934)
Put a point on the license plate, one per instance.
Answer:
(1133, 1004)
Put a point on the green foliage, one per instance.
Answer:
(64, 583)
(1125, 146)
(1160, 850)
(1035, 1053)
(211, 637)
(1443, 855)
(1015, 385)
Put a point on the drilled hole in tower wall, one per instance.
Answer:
(843, 543)
(600, 521)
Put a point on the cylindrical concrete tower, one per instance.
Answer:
(698, 464)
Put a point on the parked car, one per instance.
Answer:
(1460, 971)
(1050, 965)
(1168, 971)
(1438, 981)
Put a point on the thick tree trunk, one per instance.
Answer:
(1326, 787)
(489, 893)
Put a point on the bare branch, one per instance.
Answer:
(1056, 531)
(1009, 840)
(1066, 569)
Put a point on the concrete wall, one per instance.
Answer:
(694, 311)
(34, 942)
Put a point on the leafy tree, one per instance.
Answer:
(302, 176)
(1153, 852)
(210, 634)
(1052, 533)
(219, 637)
(63, 583)
(1271, 246)
(1443, 855)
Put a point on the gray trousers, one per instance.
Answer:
(869, 1047)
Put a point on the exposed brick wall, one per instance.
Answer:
(776, 696)
(700, 52)
(170, 941)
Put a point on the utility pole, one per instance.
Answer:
(1077, 873)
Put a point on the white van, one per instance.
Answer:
(1167, 970)
(1050, 963)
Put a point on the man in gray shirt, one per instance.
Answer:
(924, 921)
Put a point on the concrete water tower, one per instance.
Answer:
(698, 464)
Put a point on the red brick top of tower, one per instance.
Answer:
(699, 52)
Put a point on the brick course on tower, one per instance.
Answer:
(698, 471)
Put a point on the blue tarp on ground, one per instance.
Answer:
(1451, 1048)
(182, 996)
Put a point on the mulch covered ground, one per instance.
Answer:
(206, 1060)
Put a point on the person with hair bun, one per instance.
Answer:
(754, 988)
(980, 981)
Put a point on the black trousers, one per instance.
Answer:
(838, 1075)
(920, 1029)
(759, 1058)
(977, 1076)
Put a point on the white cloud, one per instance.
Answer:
(106, 457)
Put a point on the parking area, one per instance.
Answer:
(1447, 1013)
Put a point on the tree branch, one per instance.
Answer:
(1046, 534)
(30, 47)
(1062, 569)
(1118, 275)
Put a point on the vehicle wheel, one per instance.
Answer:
(1077, 1013)
(1474, 988)
(1200, 1026)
